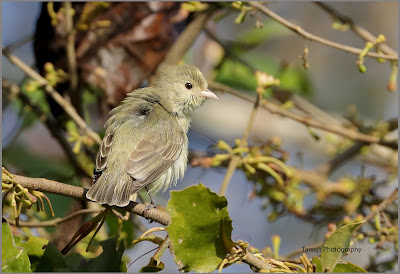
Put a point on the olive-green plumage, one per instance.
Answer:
(145, 141)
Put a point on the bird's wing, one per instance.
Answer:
(157, 150)
(102, 154)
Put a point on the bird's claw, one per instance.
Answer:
(148, 207)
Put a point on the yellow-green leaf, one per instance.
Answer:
(13, 257)
(341, 267)
(336, 245)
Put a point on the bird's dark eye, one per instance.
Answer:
(188, 85)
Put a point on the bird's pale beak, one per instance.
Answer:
(208, 94)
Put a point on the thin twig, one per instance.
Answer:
(328, 167)
(55, 221)
(329, 124)
(308, 108)
(360, 31)
(312, 178)
(281, 95)
(297, 29)
(259, 264)
(235, 159)
(385, 203)
(352, 134)
(71, 56)
(160, 251)
(67, 106)
(187, 37)
(19, 43)
(228, 51)
(48, 120)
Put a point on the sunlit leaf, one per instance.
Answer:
(200, 230)
(336, 245)
(341, 267)
(14, 258)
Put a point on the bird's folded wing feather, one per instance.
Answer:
(102, 154)
(155, 153)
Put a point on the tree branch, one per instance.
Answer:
(55, 221)
(352, 134)
(67, 106)
(360, 31)
(297, 29)
(71, 56)
(235, 160)
(228, 51)
(46, 119)
(162, 217)
(76, 192)
(385, 203)
(187, 37)
(259, 264)
(328, 167)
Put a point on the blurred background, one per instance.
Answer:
(333, 83)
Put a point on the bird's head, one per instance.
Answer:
(182, 88)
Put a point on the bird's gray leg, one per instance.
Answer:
(153, 203)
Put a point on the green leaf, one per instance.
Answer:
(200, 230)
(14, 257)
(153, 266)
(126, 232)
(341, 267)
(317, 262)
(36, 96)
(44, 256)
(235, 74)
(336, 245)
(295, 79)
(346, 267)
(255, 36)
(152, 269)
(108, 261)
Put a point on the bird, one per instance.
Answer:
(145, 144)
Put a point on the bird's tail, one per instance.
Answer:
(114, 191)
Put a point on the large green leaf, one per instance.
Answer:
(44, 256)
(341, 267)
(200, 230)
(336, 245)
(14, 257)
(110, 260)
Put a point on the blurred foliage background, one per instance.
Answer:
(265, 199)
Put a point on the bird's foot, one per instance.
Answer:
(148, 207)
